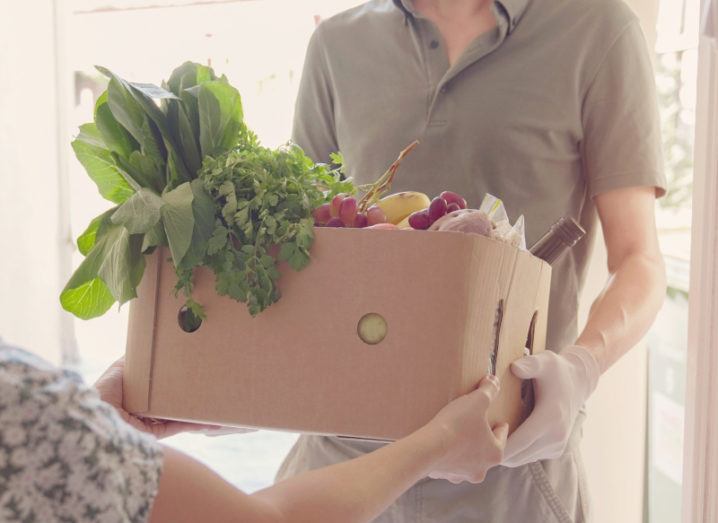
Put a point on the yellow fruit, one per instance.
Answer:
(404, 224)
(400, 205)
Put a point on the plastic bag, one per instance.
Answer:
(503, 230)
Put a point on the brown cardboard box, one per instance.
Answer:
(301, 366)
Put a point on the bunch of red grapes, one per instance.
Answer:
(343, 212)
(445, 203)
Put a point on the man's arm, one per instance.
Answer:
(618, 319)
(634, 293)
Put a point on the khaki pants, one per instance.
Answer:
(548, 491)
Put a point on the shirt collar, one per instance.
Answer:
(514, 9)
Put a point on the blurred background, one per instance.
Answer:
(48, 86)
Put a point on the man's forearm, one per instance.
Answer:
(626, 308)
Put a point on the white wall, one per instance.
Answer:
(29, 231)
(615, 431)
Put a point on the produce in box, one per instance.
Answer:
(184, 171)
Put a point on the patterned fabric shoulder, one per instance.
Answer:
(64, 454)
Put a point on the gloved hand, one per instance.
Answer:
(562, 383)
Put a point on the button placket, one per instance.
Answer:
(437, 66)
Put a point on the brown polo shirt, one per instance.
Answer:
(555, 105)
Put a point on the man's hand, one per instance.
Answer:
(109, 385)
(562, 383)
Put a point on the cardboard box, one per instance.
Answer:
(449, 299)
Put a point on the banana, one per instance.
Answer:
(398, 206)
(404, 224)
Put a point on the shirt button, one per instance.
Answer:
(434, 44)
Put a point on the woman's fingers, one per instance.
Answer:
(490, 386)
(501, 432)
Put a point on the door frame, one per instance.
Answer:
(700, 471)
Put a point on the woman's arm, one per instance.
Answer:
(458, 445)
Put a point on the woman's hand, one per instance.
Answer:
(109, 385)
(471, 445)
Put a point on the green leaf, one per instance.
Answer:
(145, 98)
(148, 169)
(153, 92)
(115, 136)
(86, 241)
(185, 77)
(299, 259)
(87, 300)
(188, 75)
(140, 212)
(218, 240)
(101, 167)
(188, 140)
(286, 251)
(178, 219)
(220, 116)
(153, 238)
(145, 95)
(196, 309)
(129, 106)
(120, 261)
(128, 112)
(88, 293)
(203, 211)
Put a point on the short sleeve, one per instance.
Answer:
(313, 129)
(621, 127)
(64, 454)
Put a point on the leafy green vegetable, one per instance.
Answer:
(122, 264)
(105, 276)
(140, 213)
(116, 137)
(220, 115)
(186, 172)
(100, 166)
(178, 219)
(86, 241)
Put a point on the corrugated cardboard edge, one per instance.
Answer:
(472, 358)
(542, 301)
(140, 343)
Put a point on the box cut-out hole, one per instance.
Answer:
(527, 387)
(188, 321)
(372, 328)
(497, 335)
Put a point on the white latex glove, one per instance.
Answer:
(562, 383)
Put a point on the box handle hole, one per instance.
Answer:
(527, 386)
(497, 335)
(188, 321)
(372, 328)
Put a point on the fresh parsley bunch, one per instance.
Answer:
(265, 199)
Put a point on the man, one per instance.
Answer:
(549, 105)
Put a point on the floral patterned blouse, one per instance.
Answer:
(66, 456)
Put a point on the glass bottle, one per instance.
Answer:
(562, 235)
